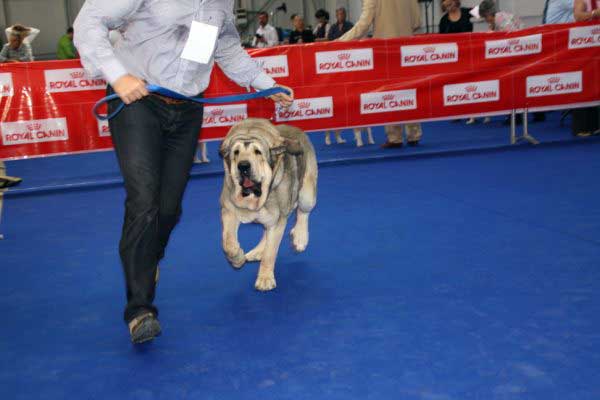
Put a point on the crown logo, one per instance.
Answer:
(77, 75)
(217, 111)
(471, 88)
(34, 127)
(304, 104)
(554, 79)
(513, 42)
(388, 97)
(430, 49)
(344, 56)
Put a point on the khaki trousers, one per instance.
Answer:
(394, 133)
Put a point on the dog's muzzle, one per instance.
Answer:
(249, 186)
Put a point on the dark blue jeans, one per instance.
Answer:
(155, 144)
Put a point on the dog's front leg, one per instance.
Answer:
(266, 273)
(231, 245)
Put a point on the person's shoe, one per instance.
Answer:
(144, 328)
(9, 181)
(539, 117)
(596, 133)
(390, 145)
(583, 134)
(413, 143)
(471, 121)
(487, 120)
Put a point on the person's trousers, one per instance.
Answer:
(155, 144)
(585, 120)
(394, 133)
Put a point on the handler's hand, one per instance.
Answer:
(130, 88)
(283, 99)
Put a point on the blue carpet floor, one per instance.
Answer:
(439, 278)
(100, 169)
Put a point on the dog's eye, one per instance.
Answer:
(257, 152)
(236, 153)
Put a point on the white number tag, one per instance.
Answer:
(201, 43)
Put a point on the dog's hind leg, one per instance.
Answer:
(266, 273)
(307, 200)
(257, 253)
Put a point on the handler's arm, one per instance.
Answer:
(581, 13)
(92, 25)
(236, 63)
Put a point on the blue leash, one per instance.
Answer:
(174, 95)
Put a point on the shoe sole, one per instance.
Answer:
(146, 331)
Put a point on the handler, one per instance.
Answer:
(174, 45)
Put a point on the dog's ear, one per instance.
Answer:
(224, 149)
(293, 147)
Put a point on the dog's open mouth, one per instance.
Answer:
(250, 187)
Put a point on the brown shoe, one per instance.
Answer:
(390, 145)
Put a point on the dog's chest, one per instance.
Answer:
(264, 216)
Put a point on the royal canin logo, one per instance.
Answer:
(344, 56)
(429, 49)
(472, 88)
(389, 97)
(34, 127)
(77, 75)
(307, 108)
(328, 62)
(395, 101)
(513, 42)
(554, 79)
(304, 104)
(217, 112)
(555, 84)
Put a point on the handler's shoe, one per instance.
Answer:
(144, 328)
(9, 181)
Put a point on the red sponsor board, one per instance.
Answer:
(46, 106)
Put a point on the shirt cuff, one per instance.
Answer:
(263, 82)
(113, 70)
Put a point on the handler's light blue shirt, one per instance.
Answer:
(560, 12)
(154, 34)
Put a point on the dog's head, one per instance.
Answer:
(252, 157)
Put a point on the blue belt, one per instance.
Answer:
(169, 93)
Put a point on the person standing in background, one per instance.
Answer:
(341, 25)
(558, 12)
(300, 34)
(498, 21)
(18, 49)
(456, 19)
(390, 18)
(66, 49)
(266, 35)
(322, 29)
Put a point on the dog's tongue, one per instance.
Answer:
(247, 183)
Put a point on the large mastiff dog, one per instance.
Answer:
(270, 171)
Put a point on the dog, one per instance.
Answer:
(270, 171)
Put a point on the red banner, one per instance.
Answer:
(46, 106)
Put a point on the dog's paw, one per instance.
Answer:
(254, 255)
(264, 283)
(299, 239)
(237, 259)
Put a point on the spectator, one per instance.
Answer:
(17, 49)
(558, 12)
(66, 49)
(266, 35)
(33, 32)
(585, 120)
(390, 18)
(498, 20)
(341, 26)
(456, 19)
(300, 34)
(322, 29)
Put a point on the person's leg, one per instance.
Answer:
(581, 122)
(137, 138)
(178, 152)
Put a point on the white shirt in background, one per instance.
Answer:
(269, 34)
